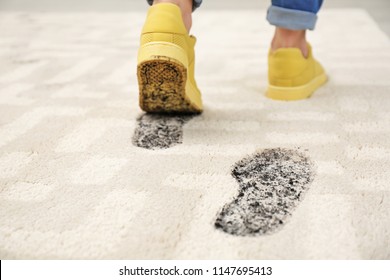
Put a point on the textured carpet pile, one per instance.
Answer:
(85, 174)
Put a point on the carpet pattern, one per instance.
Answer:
(85, 175)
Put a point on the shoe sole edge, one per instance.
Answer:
(296, 93)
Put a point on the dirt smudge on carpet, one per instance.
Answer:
(272, 183)
(159, 131)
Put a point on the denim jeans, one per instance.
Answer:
(289, 14)
(294, 14)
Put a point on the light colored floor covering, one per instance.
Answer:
(72, 184)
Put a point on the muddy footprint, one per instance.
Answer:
(159, 131)
(271, 185)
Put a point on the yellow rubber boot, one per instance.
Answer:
(291, 76)
(166, 60)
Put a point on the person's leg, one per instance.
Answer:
(293, 72)
(195, 3)
(186, 6)
(287, 38)
(292, 18)
(166, 59)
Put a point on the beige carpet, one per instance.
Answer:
(73, 184)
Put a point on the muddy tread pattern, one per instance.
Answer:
(159, 131)
(272, 183)
(162, 87)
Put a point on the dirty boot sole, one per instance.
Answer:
(163, 87)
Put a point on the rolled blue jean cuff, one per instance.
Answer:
(195, 3)
(291, 19)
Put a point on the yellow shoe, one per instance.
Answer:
(291, 76)
(166, 60)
